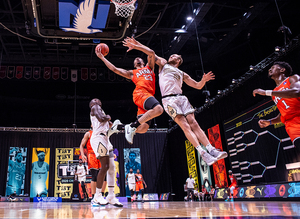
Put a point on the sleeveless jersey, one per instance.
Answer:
(138, 178)
(288, 107)
(233, 181)
(39, 174)
(16, 174)
(81, 171)
(170, 80)
(144, 78)
(131, 178)
(88, 144)
(98, 127)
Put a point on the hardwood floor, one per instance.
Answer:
(151, 210)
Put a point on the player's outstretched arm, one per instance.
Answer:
(265, 123)
(293, 92)
(82, 144)
(120, 71)
(160, 62)
(132, 43)
(200, 84)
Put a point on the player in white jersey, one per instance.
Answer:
(178, 107)
(81, 172)
(104, 152)
(39, 176)
(130, 177)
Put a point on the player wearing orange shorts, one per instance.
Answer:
(232, 186)
(139, 184)
(143, 95)
(94, 164)
(286, 96)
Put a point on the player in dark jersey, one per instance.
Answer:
(286, 96)
(143, 95)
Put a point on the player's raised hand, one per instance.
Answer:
(208, 76)
(263, 123)
(259, 91)
(130, 42)
(98, 52)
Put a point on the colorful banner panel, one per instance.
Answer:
(283, 190)
(39, 172)
(64, 173)
(191, 162)
(258, 155)
(132, 160)
(220, 173)
(16, 171)
(117, 171)
(205, 175)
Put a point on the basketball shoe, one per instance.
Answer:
(129, 133)
(218, 154)
(208, 158)
(98, 200)
(113, 201)
(114, 128)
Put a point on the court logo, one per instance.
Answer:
(85, 18)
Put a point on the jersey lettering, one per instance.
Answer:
(146, 73)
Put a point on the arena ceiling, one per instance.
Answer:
(226, 36)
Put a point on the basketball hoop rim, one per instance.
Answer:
(123, 4)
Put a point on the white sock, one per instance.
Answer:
(111, 191)
(209, 147)
(111, 176)
(200, 149)
(98, 192)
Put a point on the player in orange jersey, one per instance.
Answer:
(143, 95)
(139, 184)
(286, 96)
(94, 164)
(232, 186)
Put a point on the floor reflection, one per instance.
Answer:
(135, 210)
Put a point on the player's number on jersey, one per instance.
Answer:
(18, 177)
(286, 106)
(102, 149)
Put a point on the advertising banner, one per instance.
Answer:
(64, 174)
(40, 172)
(191, 162)
(16, 171)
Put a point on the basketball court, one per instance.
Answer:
(49, 73)
(65, 210)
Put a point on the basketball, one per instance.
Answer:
(104, 48)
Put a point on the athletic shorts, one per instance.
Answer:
(101, 145)
(139, 186)
(292, 127)
(131, 186)
(139, 98)
(177, 105)
(93, 162)
(232, 187)
(81, 179)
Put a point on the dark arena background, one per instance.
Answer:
(49, 73)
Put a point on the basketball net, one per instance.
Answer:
(124, 8)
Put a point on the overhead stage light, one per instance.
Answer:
(181, 31)
(189, 18)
